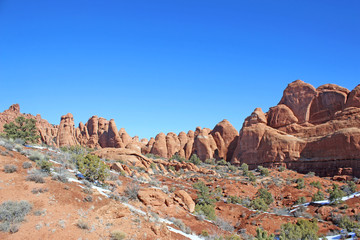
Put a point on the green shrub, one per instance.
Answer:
(206, 209)
(177, 157)
(44, 165)
(232, 168)
(22, 128)
(27, 165)
(117, 235)
(352, 186)
(261, 234)
(204, 201)
(10, 168)
(234, 199)
(301, 200)
(82, 224)
(302, 229)
(132, 190)
(346, 223)
(92, 167)
(217, 193)
(349, 188)
(35, 176)
(204, 233)
(222, 162)
(282, 168)
(195, 159)
(251, 177)
(264, 194)
(264, 171)
(12, 213)
(300, 183)
(259, 204)
(319, 196)
(316, 184)
(244, 167)
(210, 161)
(203, 196)
(336, 194)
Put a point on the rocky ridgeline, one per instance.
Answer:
(309, 130)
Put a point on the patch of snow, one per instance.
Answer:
(338, 237)
(190, 236)
(74, 180)
(50, 160)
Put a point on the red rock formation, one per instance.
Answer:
(189, 145)
(159, 148)
(204, 145)
(125, 137)
(298, 96)
(172, 144)
(330, 141)
(66, 132)
(93, 127)
(147, 148)
(183, 138)
(281, 115)
(330, 99)
(354, 98)
(114, 139)
(47, 131)
(225, 136)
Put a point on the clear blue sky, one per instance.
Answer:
(170, 65)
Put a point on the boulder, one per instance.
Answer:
(153, 197)
(186, 199)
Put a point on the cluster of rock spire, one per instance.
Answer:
(311, 129)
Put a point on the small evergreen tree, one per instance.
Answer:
(318, 196)
(22, 128)
(92, 167)
(301, 230)
(195, 159)
(336, 194)
(261, 234)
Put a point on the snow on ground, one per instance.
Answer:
(190, 236)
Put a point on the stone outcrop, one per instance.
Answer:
(204, 145)
(225, 136)
(46, 131)
(298, 96)
(159, 148)
(66, 132)
(310, 129)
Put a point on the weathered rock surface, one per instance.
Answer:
(298, 96)
(159, 148)
(225, 136)
(281, 115)
(47, 131)
(186, 199)
(66, 132)
(326, 136)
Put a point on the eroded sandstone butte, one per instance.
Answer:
(310, 129)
